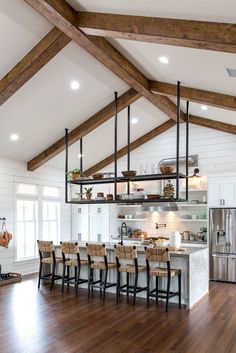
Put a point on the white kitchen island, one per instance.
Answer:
(193, 264)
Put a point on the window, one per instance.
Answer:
(38, 217)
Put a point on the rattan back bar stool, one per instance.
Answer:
(95, 252)
(161, 257)
(71, 258)
(128, 253)
(47, 257)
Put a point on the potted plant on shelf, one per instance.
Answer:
(74, 174)
(88, 193)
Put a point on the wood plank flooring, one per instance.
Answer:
(33, 321)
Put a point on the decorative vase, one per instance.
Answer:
(75, 176)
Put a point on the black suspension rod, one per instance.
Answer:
(177, 139)
(187, 147)
(128, 145)
(66, 165)
(81, 161)
(115, 144)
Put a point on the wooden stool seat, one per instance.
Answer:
(131, 268)
(49, 260)
(163, 272)
(71, 258)
(75, 262)
(101, 265)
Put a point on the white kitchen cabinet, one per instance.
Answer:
(93, 222)
(222, 192)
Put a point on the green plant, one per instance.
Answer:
(88, 190)
(74, 171)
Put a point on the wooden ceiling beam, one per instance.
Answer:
(40, 55)
(83, 129)
(213, 124)
(63, 16)
(177, 32)
(135, 144)
(195, 95)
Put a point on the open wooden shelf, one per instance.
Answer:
(148, 177)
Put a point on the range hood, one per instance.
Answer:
(159, 206)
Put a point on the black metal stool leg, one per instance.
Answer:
(157, 288)
(100, 283)
(63, 278)
(68, 276)
(40, 274)
(118, 286)
(179, 288)
(127, 283)
(104, 284)
(167, 294)
(148, 289)
(53, 274)
(135, 286)
(77, 280)
(89, 280)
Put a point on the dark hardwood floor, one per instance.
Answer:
(42, 321)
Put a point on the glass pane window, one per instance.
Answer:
(27, 224)
(51, 220)
(50, 191)
(27, 189)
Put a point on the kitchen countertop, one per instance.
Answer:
(140, 248)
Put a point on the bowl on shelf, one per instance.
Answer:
(166, 169)
(97, 176)
(129, 173)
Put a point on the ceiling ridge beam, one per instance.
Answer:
(215, 99)
(135, 144)
(178, 32)
(48, 47)
(62, 15)
(83, 129)
(213, 124)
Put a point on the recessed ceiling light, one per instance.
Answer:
(204, 107)
(14, 137)
(134, 120)
(74, 85)
(163, 59)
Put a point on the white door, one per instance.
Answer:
(80, 223)
(230, 192)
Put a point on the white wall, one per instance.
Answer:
(10, 171)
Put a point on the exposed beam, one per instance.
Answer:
(213, 124)
(32, 62)
(178, 32)
(63, 16)
(83, 129)
(135, 144)
(195, 95)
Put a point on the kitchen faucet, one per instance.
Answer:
(160, 225)
(123, 229)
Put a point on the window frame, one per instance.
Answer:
(39, 223)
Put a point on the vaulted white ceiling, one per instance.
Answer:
(46, 105)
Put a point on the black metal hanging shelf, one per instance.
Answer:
(147, 177)
(119, 179)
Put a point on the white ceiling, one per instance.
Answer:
(44, 106)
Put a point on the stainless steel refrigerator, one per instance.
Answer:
(222, 230)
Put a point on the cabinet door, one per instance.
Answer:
(230, 193)
(215, 193)
(80, 227)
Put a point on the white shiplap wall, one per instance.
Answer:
(10, 172)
